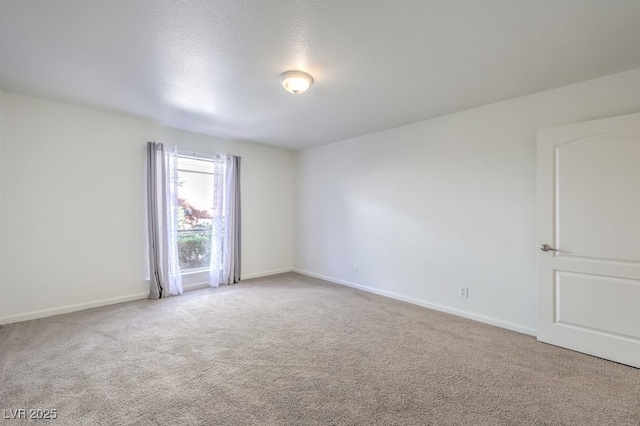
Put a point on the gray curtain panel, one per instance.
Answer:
(233, 171)
(162, 221)
(155, 190)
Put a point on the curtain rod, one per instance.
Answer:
(201, 155)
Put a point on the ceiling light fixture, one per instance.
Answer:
(295, 82)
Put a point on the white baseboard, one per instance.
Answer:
(266, 273)
(71, 308)
(203, 284)
(195, 286)
(195, 280)
(199, 280)
(480, 318)
(197, 283)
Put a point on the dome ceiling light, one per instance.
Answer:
(295, 82)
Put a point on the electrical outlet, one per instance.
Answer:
(306, 260)
(464, 292)
(356, 269)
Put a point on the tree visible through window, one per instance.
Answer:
(197, 180)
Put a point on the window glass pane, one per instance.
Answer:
(195, 201)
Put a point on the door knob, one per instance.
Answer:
(546, 247)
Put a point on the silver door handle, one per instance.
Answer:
(546, 247)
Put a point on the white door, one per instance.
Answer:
(589, 211)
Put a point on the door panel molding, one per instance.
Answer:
(589, 290)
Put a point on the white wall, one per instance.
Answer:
(72, 216)
(426, 208)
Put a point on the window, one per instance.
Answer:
(199, 187)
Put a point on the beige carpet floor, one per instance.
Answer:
(294, 350)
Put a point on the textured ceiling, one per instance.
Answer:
(212, 66)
